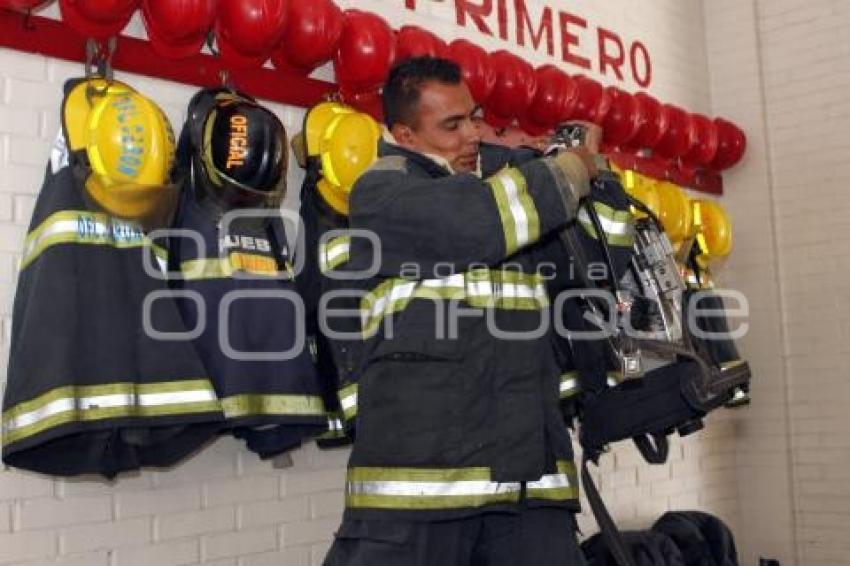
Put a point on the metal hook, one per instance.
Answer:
(27, 21)
(99, 65)
(226, 79)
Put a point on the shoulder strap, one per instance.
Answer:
(654, 447)
(610, 533)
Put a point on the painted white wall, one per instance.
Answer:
(781, 69)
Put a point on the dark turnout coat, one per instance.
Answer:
(452, 381)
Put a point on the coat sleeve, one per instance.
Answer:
(458, 219)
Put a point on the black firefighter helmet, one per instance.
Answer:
(239, 150)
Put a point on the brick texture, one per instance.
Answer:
(774, 70)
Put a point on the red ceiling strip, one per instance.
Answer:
(37, 34)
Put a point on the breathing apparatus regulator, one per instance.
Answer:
(238, 155)
(122, 148)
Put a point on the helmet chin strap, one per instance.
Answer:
(204, 196)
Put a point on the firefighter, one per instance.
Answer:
(460, 454)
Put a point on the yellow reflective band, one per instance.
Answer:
(348, 401)
(731, 364)
(334, 253)
(520, 220)
(272, 405)
(415, 488)
(569, 384)
(84, 227)
(87, 403)
(618, 225)
(226, 267)
(529, 231)
(560, 486)
(335, 427)
(482, 288)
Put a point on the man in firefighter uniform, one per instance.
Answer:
(461, 455)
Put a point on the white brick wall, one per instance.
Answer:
(776, 70)
(224, 507)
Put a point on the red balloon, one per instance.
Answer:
(653, 122)
(623, 159)
(676, 141)
(178, 28)
(554, 100)
(515, 88)
(413, 41)
(23, 5)
(99, 19)
(533, 128)
(310, 37)
(705, 140)
(623, 119)
(592, 102)
(732, 143)
(247, 31)
(475, 64)
(366, 51)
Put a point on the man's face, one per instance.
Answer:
(446, 124)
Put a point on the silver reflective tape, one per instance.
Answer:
(569, 384)
(610, 226)
(517, 210)
(431, 489)
(456, 280)
(178, 397)
(397, 293)
(53, 408)
(551, 481)
(67, 404)
(86, 228)
(61, 227)
(333, 252)
(517, 291)
(480, 288)
(349, 402)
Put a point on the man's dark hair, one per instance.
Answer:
(401, 92)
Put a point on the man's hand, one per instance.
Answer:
(587, 156)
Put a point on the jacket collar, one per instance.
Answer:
(434, 165)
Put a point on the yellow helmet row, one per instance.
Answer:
(128, 145)
(345, 142)
(683, 218)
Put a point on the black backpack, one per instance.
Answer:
(703, 539)
(646, 548)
